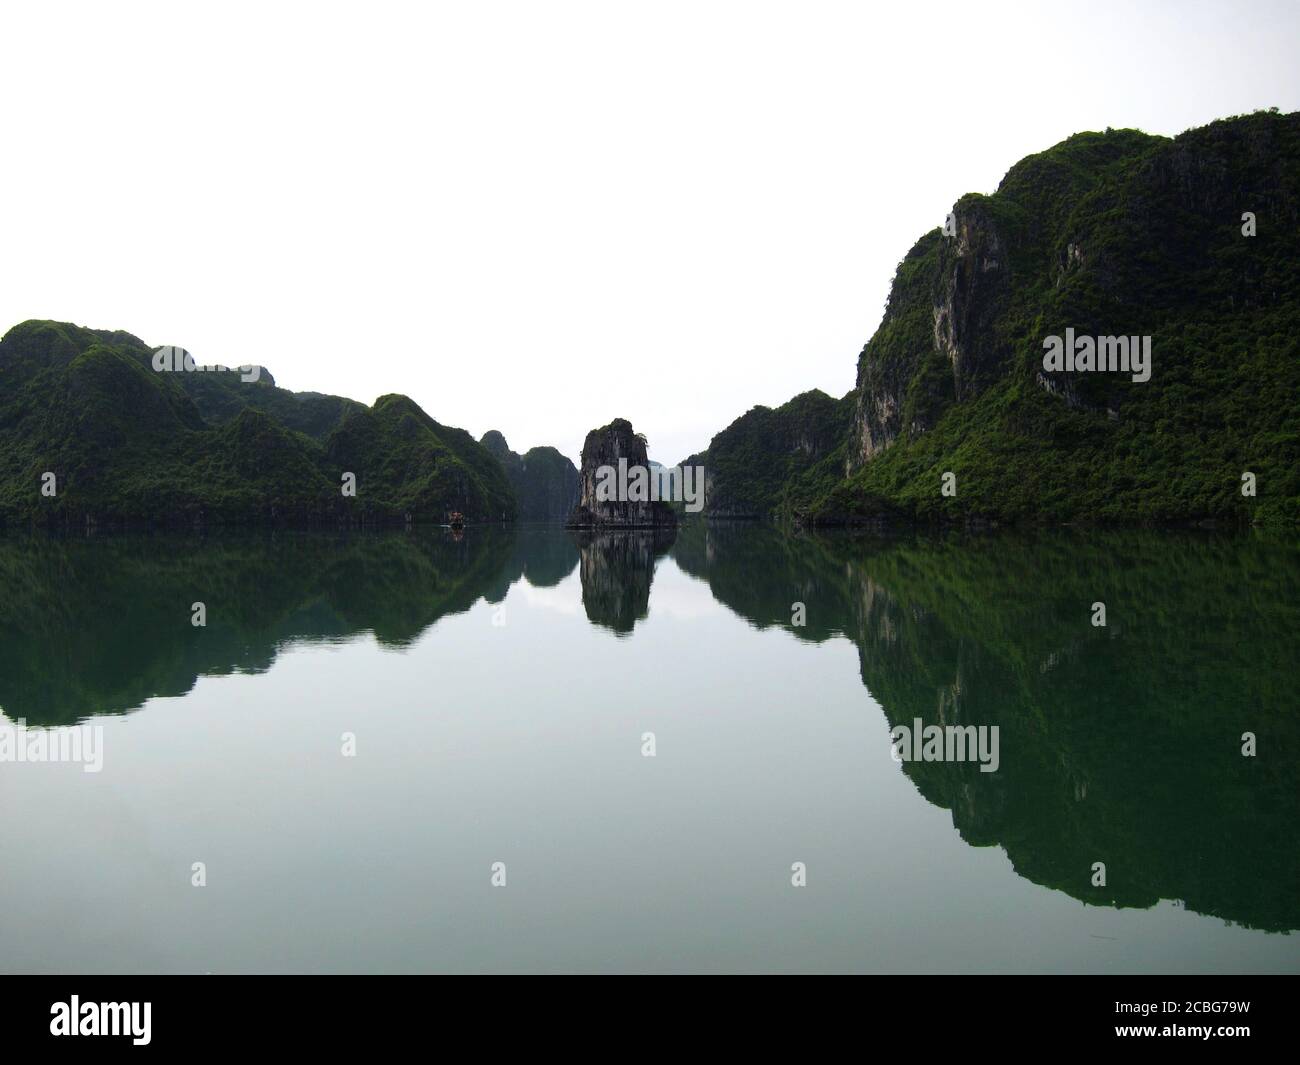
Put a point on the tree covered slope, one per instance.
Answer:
(128, 444)
(1108, 234)
(545, 481)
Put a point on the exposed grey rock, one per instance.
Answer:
(605, 447)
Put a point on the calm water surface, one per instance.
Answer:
(499, 686)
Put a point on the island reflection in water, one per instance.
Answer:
(1119, 744)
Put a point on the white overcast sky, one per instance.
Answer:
(539, 216)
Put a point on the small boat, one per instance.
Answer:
(456, 519)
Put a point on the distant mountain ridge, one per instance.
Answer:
(544, 480)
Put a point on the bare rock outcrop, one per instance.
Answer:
(616, 447)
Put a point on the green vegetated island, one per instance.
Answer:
(1193, 242)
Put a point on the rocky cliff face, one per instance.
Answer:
(1109, 234)
(545, 481)
(607, 447)
(952, 287)
(1193, 243)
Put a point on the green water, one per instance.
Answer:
(499, 688)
